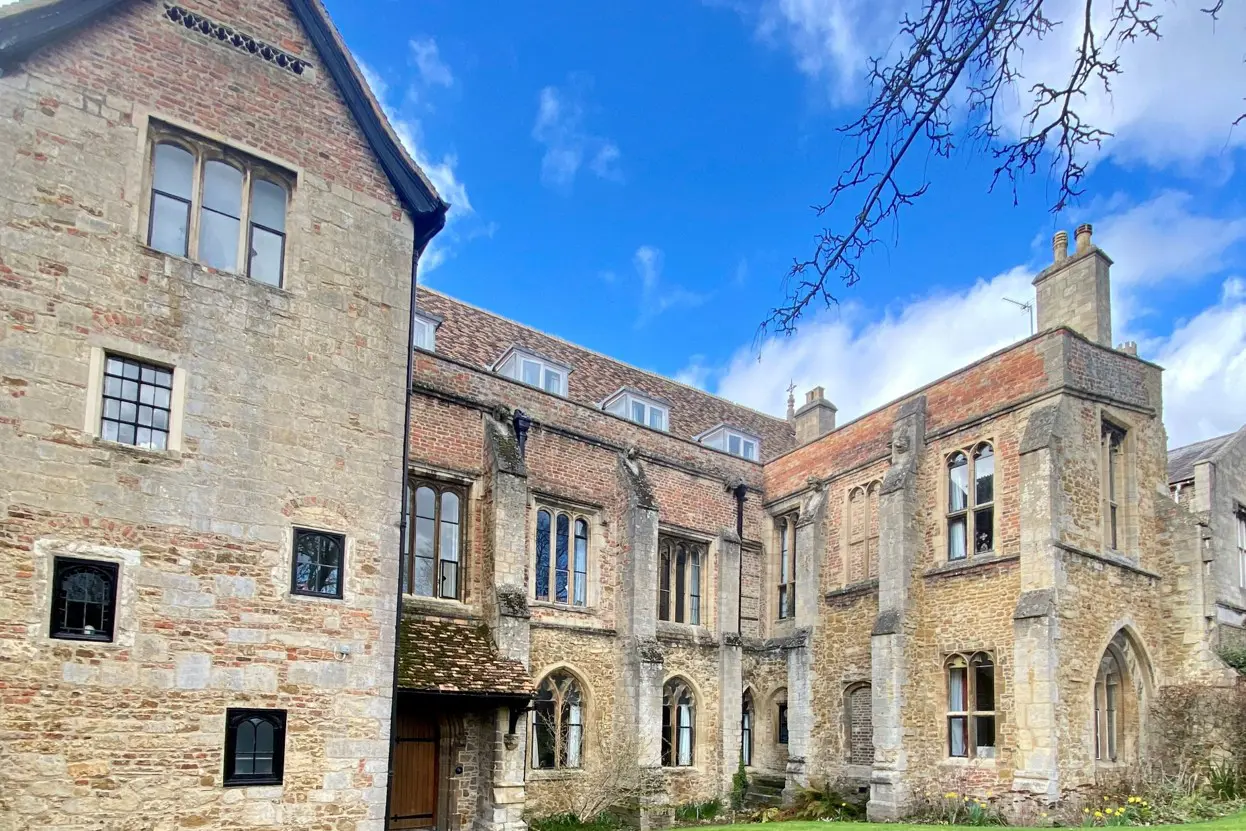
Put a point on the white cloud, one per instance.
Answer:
(1205, 370)
(568, 144)
(866, 360)
(441, 172)
(864, 363)
(656, 294)
(1174, 102)
(1176, 98)
(433, 72)
(832, 40)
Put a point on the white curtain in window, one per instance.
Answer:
(685, 735)
(575, 734)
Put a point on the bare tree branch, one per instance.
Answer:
(966, 53)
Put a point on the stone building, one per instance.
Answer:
(1209, 477)
(980, 586)
(208, 241)
(220, 494)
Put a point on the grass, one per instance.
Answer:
(1234, 823)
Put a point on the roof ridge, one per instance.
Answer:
(776, 419)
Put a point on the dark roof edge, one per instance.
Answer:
(427, 208)
(28, 27)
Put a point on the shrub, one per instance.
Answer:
(823, 803)
(698, 811)
(570, 822)
(1234, 656)
(739, 787)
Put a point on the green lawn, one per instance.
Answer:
(1234, 823)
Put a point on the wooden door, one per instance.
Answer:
(413, 804)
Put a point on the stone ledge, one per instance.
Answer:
(1110, 559)
(972, 565)
(550, 623)
(436, 607)
(845, 596)
(686, 633)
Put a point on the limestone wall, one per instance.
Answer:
(292, 416)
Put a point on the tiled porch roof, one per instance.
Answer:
(453, 656)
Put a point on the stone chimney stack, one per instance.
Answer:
(1075, 290)
(816, 418)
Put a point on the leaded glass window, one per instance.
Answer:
(678, 724)
(560, 564)
(84, 599)
(318, 560)
(680, 566)
(786, 548)
(558, 723)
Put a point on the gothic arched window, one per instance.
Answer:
(84, 599)
(558, 723)
(679, 714)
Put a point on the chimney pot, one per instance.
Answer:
(1129, 347)
(1083, 237)
(1060, 246)
(815, 394)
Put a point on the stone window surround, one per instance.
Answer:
(125, 621)
(1127, 515)
(850, 690)
(971, 757)
(1239, 520)
(940, 537)
(100, 346)
(709, 585)
(872, 486)
(150, 126)
(439, 481)
(774, 514)
(588, 718)
(785, 555)
(287, 541)
(699, 726)
(454, 607)
(596, 536)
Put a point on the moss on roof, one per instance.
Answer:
(452, 656)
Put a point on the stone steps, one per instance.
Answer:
(765, 791)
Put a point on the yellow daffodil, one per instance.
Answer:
(1098, 815)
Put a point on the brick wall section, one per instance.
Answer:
(480, 338)
(293, 416)
(1008, 376)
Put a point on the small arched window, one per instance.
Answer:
(561, 561)
(746, 728)
(84, 599)
(254, 747)
(1107, 708)
(971, 502)
(267, 247)
(435, 529)
(558, 723)
(220, 217)
(787, 565)
(971, 705)
(680, 566)
(863, 532)
(173, 175)
(679, 713)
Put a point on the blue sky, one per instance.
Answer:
(637, 177)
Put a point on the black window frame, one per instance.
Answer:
(57, 610)
(234, 717)
(141, 381)
(294, 563)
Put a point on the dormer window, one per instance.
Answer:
(733, 441)
(639, 408)
(534, 371)
(426, 332)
